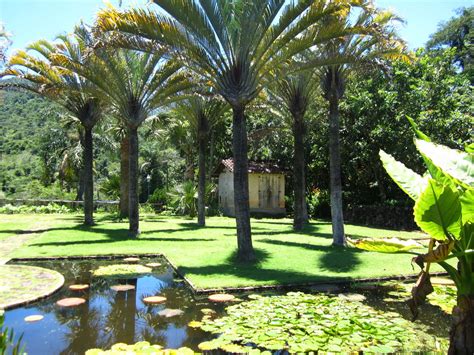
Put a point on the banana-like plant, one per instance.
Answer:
(235, 46)
(444, 209)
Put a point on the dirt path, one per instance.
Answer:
(10, 244)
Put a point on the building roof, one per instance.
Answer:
(254, 167)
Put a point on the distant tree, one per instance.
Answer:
(294, 94)
(135, 84)
(355, 51)
(4, 44)
(202, 112)
(235, 45)
(458, 33)
(39, 73)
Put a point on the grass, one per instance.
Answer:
(14, 224)
(207, 255)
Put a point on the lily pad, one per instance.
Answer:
(71, 302)
(122, 288)
(154, 300)
(194, 324)
(132, 260)
(221, 297)
(79, 287)
(33, 318)
(168, 312)
(153, 265)
(299, 322)
(121, 271)
(140, 348)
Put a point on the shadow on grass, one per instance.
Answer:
(253, 271)
(336, 259)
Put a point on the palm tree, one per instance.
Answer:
(234, 45)
(377, 43)
(202, 113)
(136, 84)
(40, 74)
(294, 93)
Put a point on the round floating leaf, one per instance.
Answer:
(33, 318)
(79, 287)
(299, 322)
(71, 302)
(121, 271)
(154, 300)
(122, 288)
(221, 297)
(194, 324)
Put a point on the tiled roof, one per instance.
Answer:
(254, 167)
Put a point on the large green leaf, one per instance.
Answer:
(467, 205)
(409, 181)
(454, 163)
(392, 245)
(438, 211)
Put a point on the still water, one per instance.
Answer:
(110, 317)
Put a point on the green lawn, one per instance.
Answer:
(206, 255)
(11, 225)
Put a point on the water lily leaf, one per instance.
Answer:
(391, 245)
(209, 345)
(194, 324)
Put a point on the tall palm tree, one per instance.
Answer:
(202, 113)
(234, 45)
(40, 74)
(294, 94)
(380, 42)
(136, 84)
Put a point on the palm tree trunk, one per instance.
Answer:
(133, 183)
(245, 250)
(124, 176)
(300, 214)
(335, 173)
(80, 185)
(202, 136)
(88, 177)
(462, 329)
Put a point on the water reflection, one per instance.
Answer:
(109, 316)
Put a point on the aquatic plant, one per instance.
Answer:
(118, 271)
(142, 347)
(299, 322)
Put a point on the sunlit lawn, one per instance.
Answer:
(206, 255)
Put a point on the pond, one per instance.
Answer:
(111, 316)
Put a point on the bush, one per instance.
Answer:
(46, 209)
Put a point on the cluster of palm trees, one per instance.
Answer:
(200, 58)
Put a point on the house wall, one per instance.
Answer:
(266, 194)
(226, 193)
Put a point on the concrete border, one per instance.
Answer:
(205, 291)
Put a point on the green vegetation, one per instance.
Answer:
(121, 271)
(207, 255)
(142, 347)
(300, 323)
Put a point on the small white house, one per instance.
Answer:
(266, 189)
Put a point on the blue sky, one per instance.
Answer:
(30, 20)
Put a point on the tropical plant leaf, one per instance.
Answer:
(454, 163)
(467, 205)
(392, 245)
(417, 131)
(438, 211)
(410, 182)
